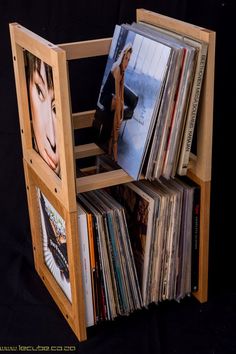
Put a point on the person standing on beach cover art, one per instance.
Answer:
(43, 111)
(112, 96)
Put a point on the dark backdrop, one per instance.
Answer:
(28, 315)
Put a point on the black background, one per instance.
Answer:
(28, 315)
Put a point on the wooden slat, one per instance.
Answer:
(65, 137)
(21, 90)
(202, 293)
(83, 119)
(35, 44)
(87, 150)
(91, 170)
(172, 24)
(86, 49)
(48, 176)
(192, 162)
(205, 121)
(33, 216)
(102, 180)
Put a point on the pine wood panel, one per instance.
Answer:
(35, 44)
(41, 168)
(202, 293)
(66, 142)
(33, 217)
(202, 168)
(56, 58)
(83, 119)
(102, 180)
(87, 150)
(86, 49)
(74, 312)
(21, 91)
(172, 24)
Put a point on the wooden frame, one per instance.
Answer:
(62, 192)
(59, 191)
(24, 40)
(73, 307)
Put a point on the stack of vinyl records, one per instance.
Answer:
(162, 85)
(139, 245)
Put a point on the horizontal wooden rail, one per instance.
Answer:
(102, 180)
(86, 49)
(174, 25)
(87, 150)
(83, 119)
(90, 170)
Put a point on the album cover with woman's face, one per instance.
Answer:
(42, 108)
(54, 243)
